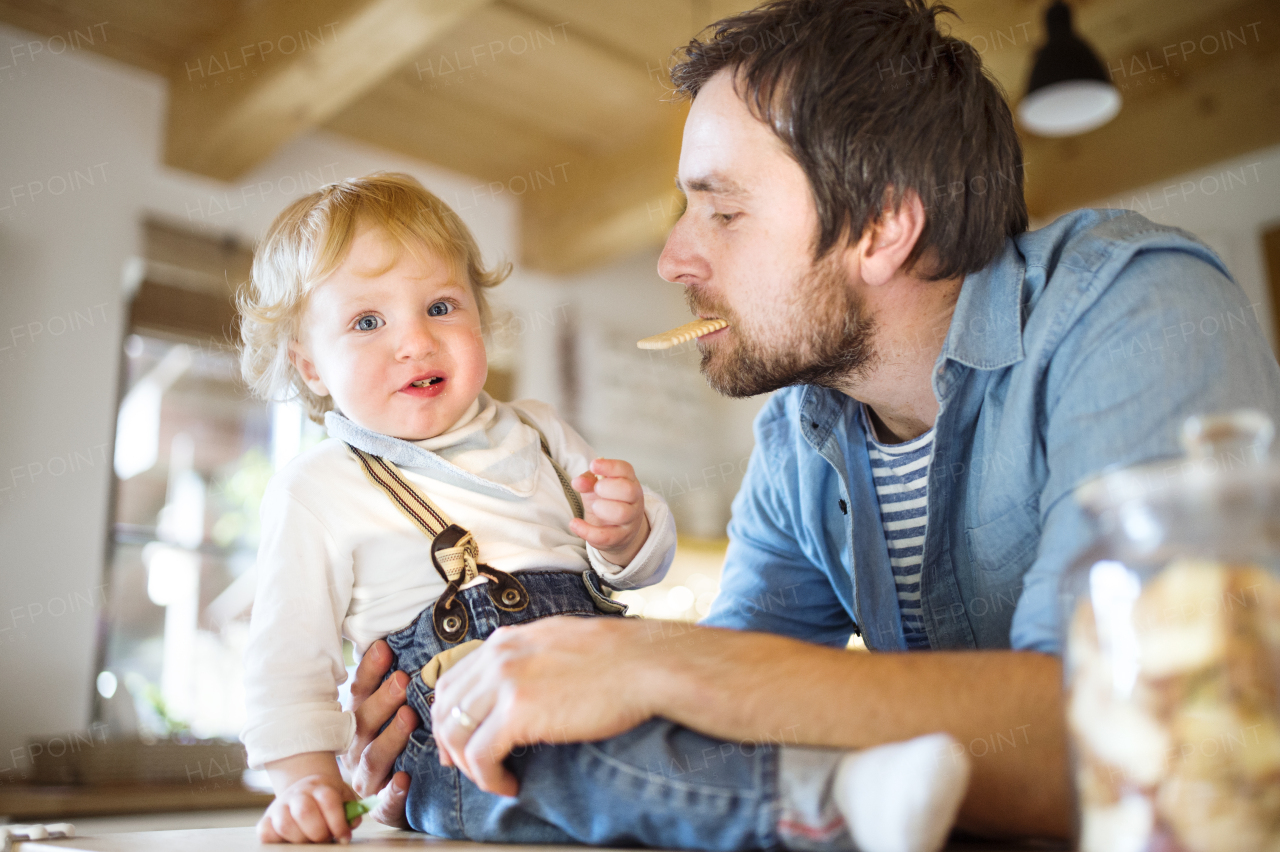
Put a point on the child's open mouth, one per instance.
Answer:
(427, 386)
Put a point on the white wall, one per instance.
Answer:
(1227, 205)
(63, 245)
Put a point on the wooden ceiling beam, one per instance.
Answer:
(607, 207)
(284, 67)
(480, 142)
(69, 28)
(534, 127)
(643, 34)
(563, 85)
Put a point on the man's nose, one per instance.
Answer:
(682, 259)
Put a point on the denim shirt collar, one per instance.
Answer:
(821, 410)
(985, 334)
(986, 327)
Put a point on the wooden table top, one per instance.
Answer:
(373, 838)
(370, 836)
(24, 803)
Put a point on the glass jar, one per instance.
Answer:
(1172, 656)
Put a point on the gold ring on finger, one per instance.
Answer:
(462, 718)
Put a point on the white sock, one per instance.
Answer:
(902, 797)
(809, 819)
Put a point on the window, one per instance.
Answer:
(193, 453)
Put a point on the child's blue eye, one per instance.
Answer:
(368, 323)
(439, 309)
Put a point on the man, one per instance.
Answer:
(855, 214)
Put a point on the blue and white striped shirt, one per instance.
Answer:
(901, 474)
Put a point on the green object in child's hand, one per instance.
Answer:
(359, 808)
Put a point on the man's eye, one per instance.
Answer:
(368, 323)
(724, 218)
(439, 309)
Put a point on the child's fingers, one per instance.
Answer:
(614, 513)
(582, 529)
(307, 817)
(284, 826)
(613, 467)
(619, 488)
(266, 831)
(601, 538)
(334, 812)
(584, 482)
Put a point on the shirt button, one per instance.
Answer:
(844, 507)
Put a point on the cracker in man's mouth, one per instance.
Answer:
(676, 336)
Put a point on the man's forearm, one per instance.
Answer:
(1005, 708)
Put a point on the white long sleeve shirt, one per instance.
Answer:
(338, 558)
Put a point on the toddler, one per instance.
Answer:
(435, 514)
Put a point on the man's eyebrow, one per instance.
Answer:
(713, 184)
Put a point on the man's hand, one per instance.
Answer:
(537, 683)
(613, 503)
(372, 756)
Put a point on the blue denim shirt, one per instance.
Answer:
(1083, 345)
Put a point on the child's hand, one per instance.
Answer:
(615, 524)
(309, 811)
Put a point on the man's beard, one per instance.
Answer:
(825, 339)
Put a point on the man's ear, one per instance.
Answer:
(885, 246)
(301, 361)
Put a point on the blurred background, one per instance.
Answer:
(145, 147)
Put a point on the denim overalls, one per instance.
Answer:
(658, 785)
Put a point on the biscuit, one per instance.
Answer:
(676, 336)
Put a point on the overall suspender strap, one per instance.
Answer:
(454, 551)
(457, 559)
(574, 498)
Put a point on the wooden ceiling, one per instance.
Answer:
(560, 103)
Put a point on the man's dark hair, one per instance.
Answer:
(872, 99)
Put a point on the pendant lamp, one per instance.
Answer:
(1069, 91)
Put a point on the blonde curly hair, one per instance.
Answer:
(310, 239)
